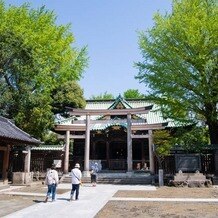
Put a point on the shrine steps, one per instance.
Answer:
(117, 178)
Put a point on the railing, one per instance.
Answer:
(117, 164)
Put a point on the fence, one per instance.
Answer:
(169, 166)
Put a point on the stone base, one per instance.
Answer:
(190, 180)
(191, 183)
(21, 178)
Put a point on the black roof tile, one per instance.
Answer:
(9, 132)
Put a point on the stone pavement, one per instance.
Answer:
(91, 200)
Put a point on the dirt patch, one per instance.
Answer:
(141, 209)
(171, 192)
(10, 203)
(39, 188)
(158, 209)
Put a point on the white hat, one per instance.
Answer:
(77, 165)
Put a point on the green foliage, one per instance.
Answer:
(67, 94)
(104, 96)
(132, 93)
(36, 57)
(191, 140)
(51, 138)
(163, 143)
(180, 62)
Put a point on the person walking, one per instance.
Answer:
(76, 181)
(51, 181)
(94, 171)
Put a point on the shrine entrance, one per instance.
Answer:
(118, 155)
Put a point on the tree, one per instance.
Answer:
(68, 94)
(163, 143)
(132, 93)
(36, 57)
(180, 63)
(103, 96)
(192, 139)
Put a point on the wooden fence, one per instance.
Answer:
(169, 166)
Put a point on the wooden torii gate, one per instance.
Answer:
(85, 127)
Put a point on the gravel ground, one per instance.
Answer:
(162, 209)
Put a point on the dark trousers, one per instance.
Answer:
(93, 178)
(75, 187)
(52, 191)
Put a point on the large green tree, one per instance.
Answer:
(36, 57)
(180, 62)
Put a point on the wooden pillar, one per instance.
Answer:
(27, 159)
(5, 164)
(87, 147)
(216, 162)
(129, 144)
(108, 153)
(151, 152)
(66, 155)
(143, 152)
(93, 150)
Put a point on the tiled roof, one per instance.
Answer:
(11, 133)
(154, 115)
(48, 148)
(102, 126)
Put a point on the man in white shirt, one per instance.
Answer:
(76, 180)
(51, 181)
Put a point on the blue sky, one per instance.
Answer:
(109, 29)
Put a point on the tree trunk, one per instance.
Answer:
(213, 132)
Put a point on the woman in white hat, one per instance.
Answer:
(76, 180)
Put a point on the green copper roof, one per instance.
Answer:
(154, 116)
(48, 148)
(103, 126)
(120, 100)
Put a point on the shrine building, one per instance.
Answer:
(115, 133)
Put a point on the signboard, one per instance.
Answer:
(57, 163)
(188, 162)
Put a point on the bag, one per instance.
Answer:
(50, 178)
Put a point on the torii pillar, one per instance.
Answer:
(66, 155)
(129, 144)
(86, 172)
(151, 152)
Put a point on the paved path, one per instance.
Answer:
(91, 200)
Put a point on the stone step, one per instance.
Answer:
(215, 180)
(124, 179)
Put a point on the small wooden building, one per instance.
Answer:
(43, 156)
(11, 135)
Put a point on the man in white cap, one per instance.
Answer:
(76, 180)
